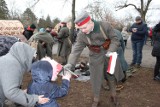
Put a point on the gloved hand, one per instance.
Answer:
(108, 54)
(67, 75)
(69, 66)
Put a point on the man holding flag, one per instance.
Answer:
(91, 35)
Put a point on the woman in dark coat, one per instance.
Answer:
(156, 51)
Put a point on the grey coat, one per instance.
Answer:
(64, 44)
(13, 66)
(96, 60)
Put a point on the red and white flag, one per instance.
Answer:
(56, 67)
(112, 63)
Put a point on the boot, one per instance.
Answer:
(112, 85)
(115, 101)
(95, 102)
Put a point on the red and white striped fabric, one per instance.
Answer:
(56, 67)
(112, 63)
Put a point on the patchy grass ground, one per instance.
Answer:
(139, 91)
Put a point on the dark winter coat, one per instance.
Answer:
(120, 51)
(64, 44)
(5, 43)
(46, 49)
(156, 45)
(141, 31)
(27, 33)
(41, 84)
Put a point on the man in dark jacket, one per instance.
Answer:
(28, 32)
(138, 30)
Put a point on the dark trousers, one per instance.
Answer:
(157, 67)
(125, 42)
(137, 47)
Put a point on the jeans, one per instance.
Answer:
(157, 67)
(137, 47)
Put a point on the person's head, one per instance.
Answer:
(138, 20)
(48, 29)
(157, 27)
(42, 30)
(41, 71)
(84, 23)
(54, 75)
(24, 53)
(32, 27)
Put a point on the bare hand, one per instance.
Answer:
(42, 100)
(134, 30)
(25, 90)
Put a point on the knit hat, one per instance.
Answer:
(82, 18)
(32, 26)
(138, 18)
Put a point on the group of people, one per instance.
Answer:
(102, 41)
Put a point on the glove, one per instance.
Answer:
(108, 54)
(67, 75)
(69, 66)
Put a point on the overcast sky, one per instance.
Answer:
(57, 8)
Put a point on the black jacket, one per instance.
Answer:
(156, 45)
(27, 34)
(141, 31)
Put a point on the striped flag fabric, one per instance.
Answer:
(112, 63)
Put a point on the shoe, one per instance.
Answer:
(137, 66)
(132, 64)
(115, 101)
(95, 102)
(157, 78)
(129, 73)
(119, 87)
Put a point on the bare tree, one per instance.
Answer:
(142, 9)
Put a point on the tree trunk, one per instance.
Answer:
(73, 18)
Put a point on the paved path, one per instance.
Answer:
(147, 61)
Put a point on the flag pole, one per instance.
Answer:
(71, 72)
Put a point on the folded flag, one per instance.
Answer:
(112, 63)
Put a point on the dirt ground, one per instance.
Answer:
(140, 90)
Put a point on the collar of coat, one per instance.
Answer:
(96, 28)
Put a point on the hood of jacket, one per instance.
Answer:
(23, 53)
(41, 71)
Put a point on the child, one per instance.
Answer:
(41, 83)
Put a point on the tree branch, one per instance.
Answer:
(35, 3)
(126, 5)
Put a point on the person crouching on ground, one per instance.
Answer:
(13, 66)
(41, 83)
